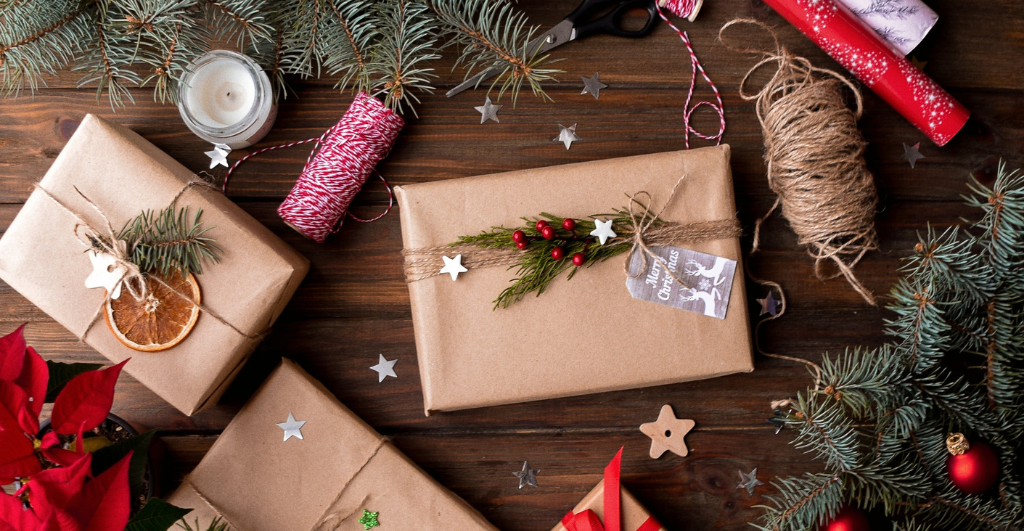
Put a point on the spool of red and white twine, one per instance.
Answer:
(688, 9)
(334, 173)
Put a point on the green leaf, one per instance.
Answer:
(156, 515)
(104, 458)
(62, 373)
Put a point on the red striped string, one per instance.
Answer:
(337, 168)
(683, 8)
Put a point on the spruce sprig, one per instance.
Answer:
(536, 268)
(879, 417)
(217, 524)
(169, 240)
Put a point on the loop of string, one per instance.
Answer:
(684, 8)
(815, 159)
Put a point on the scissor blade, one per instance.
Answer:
(556, 36)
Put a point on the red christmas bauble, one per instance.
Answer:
(849, 518)
(558, 253)
(541, 224)
(974, 471)
(547, 232)
(519, 236)
(578, 259)
(522, 244)
(568, 224)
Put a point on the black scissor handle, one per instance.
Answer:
(610, 23)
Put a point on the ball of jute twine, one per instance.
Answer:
(815, 157)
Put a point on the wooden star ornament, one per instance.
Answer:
(667, 433)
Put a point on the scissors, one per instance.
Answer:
(577, 25)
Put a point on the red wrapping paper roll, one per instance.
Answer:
(858, 48)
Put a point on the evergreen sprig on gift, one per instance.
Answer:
(385, 46)
(169, 240)
(880, 417)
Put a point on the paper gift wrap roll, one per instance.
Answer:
(902, 23)
(860, 50)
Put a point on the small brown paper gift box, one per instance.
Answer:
(627, 513)
(584, 335)
(324, 481)
(123, 174)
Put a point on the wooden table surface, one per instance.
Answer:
(354, 304)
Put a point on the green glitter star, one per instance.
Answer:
(369, 520)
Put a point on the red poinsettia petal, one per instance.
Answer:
(52, 489)
(15, 401)
(18, 458)
(105, 502)
(33, 379)
(14, 516)
(85, 399)
(53, 449)
(12, 354)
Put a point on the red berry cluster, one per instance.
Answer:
(548, 233)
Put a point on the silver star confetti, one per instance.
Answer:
(566, 135)
(453, 266)
(603, 230)
(488, 111)
(912, 154)
(385, 368)
(527, 476)
(749, 481)
(769, 305)
(592, 85)
(219, 155)
(292, 427)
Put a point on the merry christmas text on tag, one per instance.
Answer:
(708, 279)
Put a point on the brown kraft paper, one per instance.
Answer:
(585, 335)
(123, 174)
(341, 466)
(633, 513)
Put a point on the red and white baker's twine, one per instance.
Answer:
(334, 173)
(683, 8)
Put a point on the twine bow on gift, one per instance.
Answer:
(587, 520)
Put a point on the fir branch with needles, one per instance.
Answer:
(879, 417)
(217, 524)
(169, 240)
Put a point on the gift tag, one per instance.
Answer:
(709, 280)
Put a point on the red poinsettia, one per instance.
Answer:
(58, 490)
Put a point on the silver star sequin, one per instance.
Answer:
(488, 111)
(385, 368)
(292, 427)
(527, 476)
(592, 85)
(566, 135)
(749, 481)
(219, 155)
(912, 154)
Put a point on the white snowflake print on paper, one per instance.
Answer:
(869, 67)
(819, 12)
(935, 102)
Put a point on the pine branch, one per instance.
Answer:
(39, 38)
(492, 34)
(350, 58)
(169, 240)
(217, 524)
(406, 43)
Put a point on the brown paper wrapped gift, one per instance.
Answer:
(323, 481)
(608, 513)
(584, 335)
(123, 174)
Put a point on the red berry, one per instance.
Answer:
(568, 224)
(519, 236)
(541, 224)
(558, 253)
(578, 259)
(547, 232)
(522, 244)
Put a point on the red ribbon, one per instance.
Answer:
(588, 520)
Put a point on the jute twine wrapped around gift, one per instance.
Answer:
(134, 280)
(815, 157)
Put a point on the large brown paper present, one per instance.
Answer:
(123, 174)
(258, 479)
(584, 335)
(632, 516)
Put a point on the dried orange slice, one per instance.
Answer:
(161, 320)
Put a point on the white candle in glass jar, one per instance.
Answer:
(226, 98)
